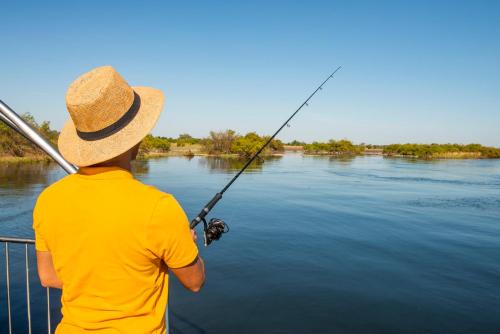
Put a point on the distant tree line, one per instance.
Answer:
(334, 147)
(427, 151)
(151, 144)
(229, 142)
(296, 143)
(186, 139)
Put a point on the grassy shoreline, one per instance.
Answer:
(25, 159)
(197, 150)
(229, 144)
(184, 151)
(154, 155)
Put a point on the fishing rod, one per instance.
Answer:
(214, 229)
(16, 123)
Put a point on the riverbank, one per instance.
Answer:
(187, 150)
(228, 143)
(196, 150)
(191, 150)
(481, 153)
(174, 151)
(446, 155)
(26, 159)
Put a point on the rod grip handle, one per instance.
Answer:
(199, 218)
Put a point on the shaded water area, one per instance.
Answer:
(317, 244)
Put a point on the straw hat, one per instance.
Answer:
(108, 117)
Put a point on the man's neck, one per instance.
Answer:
(113, 163)
(122, 161)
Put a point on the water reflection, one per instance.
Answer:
(21, 175)
(415, 161)
(232, 164)
(343, 160)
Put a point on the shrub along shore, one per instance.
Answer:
(14, 147)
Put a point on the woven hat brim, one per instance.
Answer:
(85, 153)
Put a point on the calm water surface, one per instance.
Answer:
(317, 245)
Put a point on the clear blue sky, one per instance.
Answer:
(413, 71)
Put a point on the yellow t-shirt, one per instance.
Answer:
(111, 239)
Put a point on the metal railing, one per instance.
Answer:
(27, 244)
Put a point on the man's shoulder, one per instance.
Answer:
(51, 195)
(160, 205)
(149, 190)
(56, 187)
(70, 184)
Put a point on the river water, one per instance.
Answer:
(317, 244)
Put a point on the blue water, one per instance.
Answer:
(317, 245)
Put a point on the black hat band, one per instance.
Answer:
(116, 126)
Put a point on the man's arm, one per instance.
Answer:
(191, 276)
(46, 270)
(171, 240)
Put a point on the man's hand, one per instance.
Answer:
(193, 234)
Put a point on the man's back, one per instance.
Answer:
(111, 239)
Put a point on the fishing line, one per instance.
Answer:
(214, 229)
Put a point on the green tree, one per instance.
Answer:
(247, 145)
(220, 142)
(296, 143)
(186, 139)
(152, 144)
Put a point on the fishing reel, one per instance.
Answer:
(213, 230)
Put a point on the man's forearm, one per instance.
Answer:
(46, 271)
(191, 276)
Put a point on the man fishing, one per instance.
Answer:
(107, 240)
